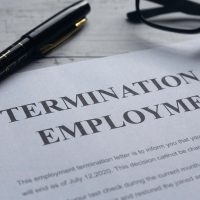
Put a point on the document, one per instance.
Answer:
(118, 128)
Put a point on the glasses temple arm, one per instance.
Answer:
(188, 8)
(148, 13)
(184, 6)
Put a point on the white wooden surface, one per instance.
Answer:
(107, 32)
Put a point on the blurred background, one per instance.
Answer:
(107, 32)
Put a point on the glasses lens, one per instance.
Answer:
(179, 14)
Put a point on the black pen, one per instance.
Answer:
(44, 37)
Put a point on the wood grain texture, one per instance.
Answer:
(106, 33)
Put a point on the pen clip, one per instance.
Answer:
(51, 46)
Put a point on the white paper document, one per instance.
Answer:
(118, 128)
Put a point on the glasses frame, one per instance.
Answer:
(164, 28)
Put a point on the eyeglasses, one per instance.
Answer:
(180, 16)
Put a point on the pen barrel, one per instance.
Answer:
(14, 56)
(44, 37)
(60, 22)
